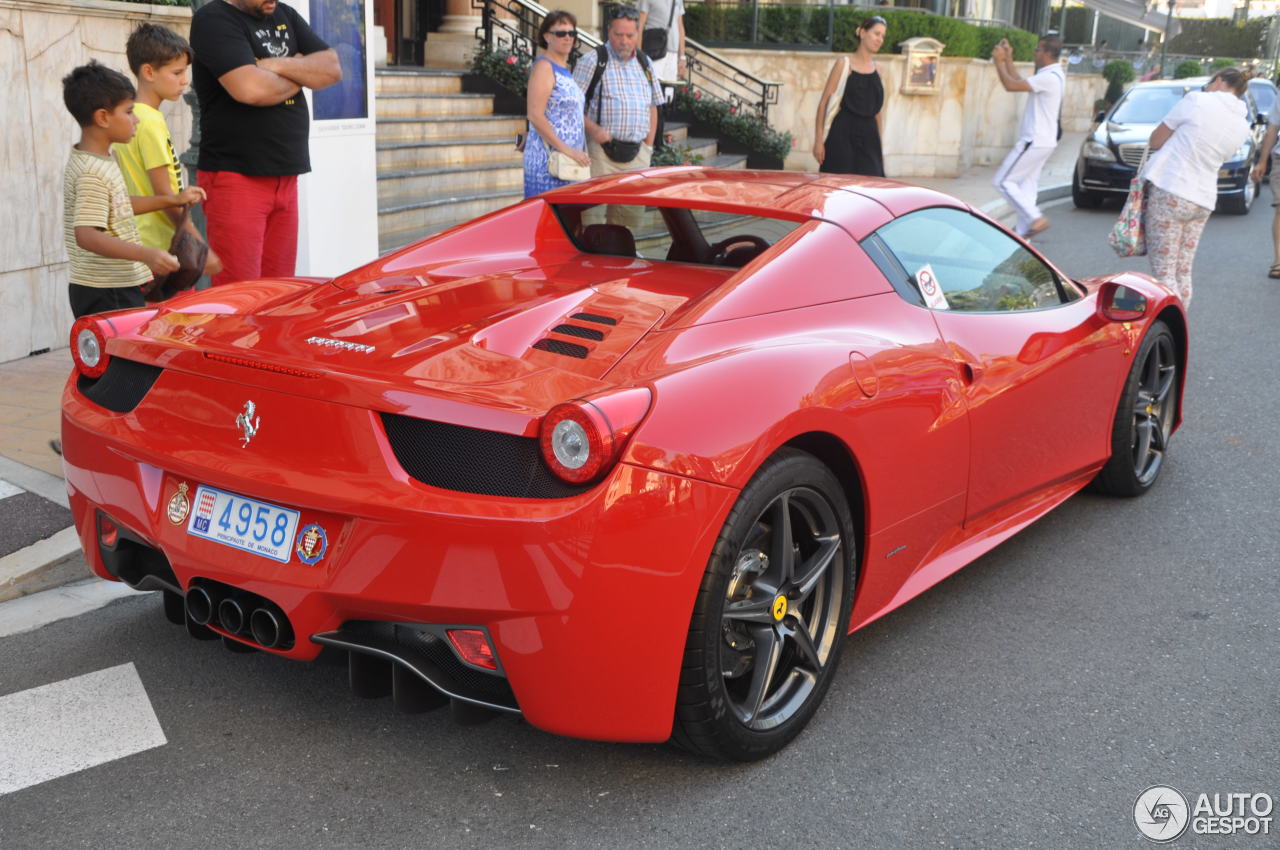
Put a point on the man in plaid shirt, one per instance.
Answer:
(624, 107)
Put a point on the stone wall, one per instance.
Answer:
(40, 42)
(971, 121)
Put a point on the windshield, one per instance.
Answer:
(1147, 105)
(1264, 97)
(671, 233)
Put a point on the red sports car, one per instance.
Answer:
(628, 459)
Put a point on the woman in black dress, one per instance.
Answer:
(853, 143)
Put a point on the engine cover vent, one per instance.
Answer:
(559, 346)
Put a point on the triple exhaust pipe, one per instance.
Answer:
(266, 627)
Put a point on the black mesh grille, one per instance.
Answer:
(469, 460)
(121, 387)
(578, 331)
(594, 317)
(559, 346)
(430, 654)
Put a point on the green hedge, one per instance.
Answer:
(1219, 37)
(808, 25)
(1186, 68)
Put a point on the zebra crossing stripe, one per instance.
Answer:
(78, 723)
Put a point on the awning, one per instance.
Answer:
(1137, 14)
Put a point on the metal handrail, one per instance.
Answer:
(513, 24)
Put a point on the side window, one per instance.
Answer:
(975, 267)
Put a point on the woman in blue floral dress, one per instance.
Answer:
(555, 105)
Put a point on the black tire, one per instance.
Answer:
(1241, 203)
(1083, 198)
(1144, 419)
(729, 707)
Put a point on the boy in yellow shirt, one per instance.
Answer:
(159, 59)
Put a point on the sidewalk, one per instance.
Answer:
(38, 547)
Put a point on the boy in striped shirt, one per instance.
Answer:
(108, 262)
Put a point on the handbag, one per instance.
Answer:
(620, 151)
(1128, 236)
(191, 251)
(654, 40)
(563, 167)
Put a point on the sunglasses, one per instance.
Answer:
(624, 12)
(563, 33)
(875, 19)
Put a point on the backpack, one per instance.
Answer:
(602, 59)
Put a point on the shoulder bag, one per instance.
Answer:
(654, 40)
(1128, 236)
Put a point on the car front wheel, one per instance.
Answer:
(1144, 420)
(1242, 202)
(1083, 198)
(771, 613)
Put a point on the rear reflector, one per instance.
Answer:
(473, 647)
(108, 534)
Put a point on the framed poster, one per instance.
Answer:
(923, 65)
(341, 24)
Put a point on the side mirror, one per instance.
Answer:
(1119, 303)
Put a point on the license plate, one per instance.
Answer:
(258, 527)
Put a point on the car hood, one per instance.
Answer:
(527, 337)
(1123, 134)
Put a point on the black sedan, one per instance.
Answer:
(1110, 154)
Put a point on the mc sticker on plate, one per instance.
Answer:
(934, 297)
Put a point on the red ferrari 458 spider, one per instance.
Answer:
(628, 459)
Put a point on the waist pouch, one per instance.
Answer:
(620, 151)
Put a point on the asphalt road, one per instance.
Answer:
(1024, 702)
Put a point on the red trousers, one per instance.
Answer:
(252, 224)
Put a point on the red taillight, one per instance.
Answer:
(89, 347)
(581, 440)
(473, 646)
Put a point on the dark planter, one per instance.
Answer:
(765, 161)
(697, 128)
(505, 101)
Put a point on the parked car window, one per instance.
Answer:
(978, 267)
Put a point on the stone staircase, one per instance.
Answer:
(445, 158)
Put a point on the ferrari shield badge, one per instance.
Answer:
(312, 544)
(179, 505)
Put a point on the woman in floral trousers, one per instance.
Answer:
(1189, 146)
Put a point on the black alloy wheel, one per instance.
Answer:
(771, 614)
(1145, 418)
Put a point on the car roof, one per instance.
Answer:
(792, 195)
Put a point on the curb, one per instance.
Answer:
(44, 564)
(1000, 209)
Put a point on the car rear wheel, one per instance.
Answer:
(1083, 198)
(771, 614)
(1144, 419)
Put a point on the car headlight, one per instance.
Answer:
(1241, 153)
(1093, 149)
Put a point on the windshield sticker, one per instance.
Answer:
(934, 297)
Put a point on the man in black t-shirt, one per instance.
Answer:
(253, 58)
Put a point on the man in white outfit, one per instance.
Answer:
(1018, 178)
